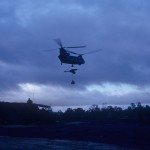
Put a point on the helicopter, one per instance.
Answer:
(66, 57)
(69, 57)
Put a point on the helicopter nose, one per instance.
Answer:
(83, 61)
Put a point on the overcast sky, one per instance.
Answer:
(120, 74)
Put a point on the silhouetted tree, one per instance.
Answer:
(29, 113)
(94, 108)
(133, 106)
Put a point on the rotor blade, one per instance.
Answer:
(76, 47)
(58, 41)
(49, 50)
(90, 52)
(72, 52)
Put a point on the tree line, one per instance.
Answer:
(36, 114)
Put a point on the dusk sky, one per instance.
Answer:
(120, 74)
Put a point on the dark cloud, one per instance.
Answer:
(120, 28)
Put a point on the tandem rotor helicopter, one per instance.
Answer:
(68, 57)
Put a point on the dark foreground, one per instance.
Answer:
(130, 135)
(9, 143)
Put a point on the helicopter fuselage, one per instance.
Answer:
(65, 57)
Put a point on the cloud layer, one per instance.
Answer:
(121, 28)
